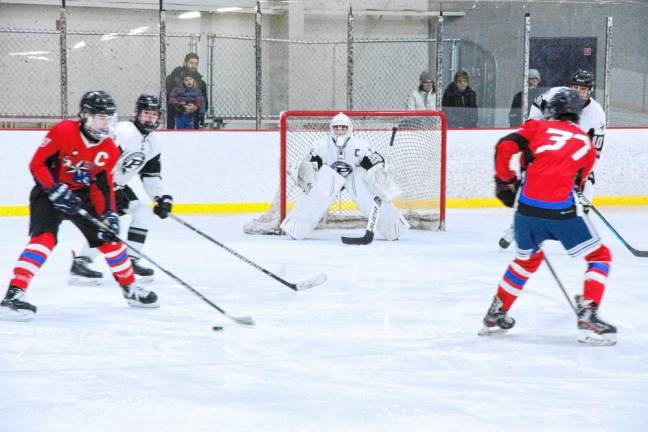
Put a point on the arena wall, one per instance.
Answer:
(237, 171)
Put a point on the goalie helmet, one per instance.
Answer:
(565, 104)
(97, 112)
(341, 119)
(147, 103)
(583, 78)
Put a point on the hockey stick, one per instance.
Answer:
(633, 251)
(560, 284)
(373, 217)
(247, 321)
(299, 286)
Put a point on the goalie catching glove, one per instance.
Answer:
(304, 174)
(380, 184)
(163, 205)
(505, 191)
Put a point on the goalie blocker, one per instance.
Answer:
(343, 161)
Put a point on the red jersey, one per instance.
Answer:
(66, 156)
(559, 151)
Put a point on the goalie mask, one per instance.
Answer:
(97, 112)
(341, 129)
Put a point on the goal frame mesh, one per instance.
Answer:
(283, 123)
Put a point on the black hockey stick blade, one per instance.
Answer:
(633, 251)
(364, 240)
(244, 321)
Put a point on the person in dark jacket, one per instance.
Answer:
(187, 102)
(460, 102)
(515, 114)
(191, 61)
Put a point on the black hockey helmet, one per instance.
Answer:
(94, 105)
(146, 103)
(97, 102)
(583, 78)
(565, 104)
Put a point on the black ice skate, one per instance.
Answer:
(137, 296)
(496, 320)
(507, 238)
(593, 330)
(143, 274)
(14, 308)
(81, 274)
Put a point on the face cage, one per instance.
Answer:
(99, 126)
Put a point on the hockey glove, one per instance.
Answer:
(163, 205)
(63, 199)
(109, 234)
(505, 191)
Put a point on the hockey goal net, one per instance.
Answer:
(415, 160)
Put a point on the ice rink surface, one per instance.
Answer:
(388, 343)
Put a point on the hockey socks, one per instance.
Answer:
(32, 259)
(598, 268)
(119, 263)
(516, 275)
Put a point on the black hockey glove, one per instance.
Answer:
(505, 191)
(111, 220)
(163, 206)
(63, 199)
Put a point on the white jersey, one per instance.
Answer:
(592, 118)
(352, 152)
(140, 155)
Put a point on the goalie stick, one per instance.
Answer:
(373, 217)
(299, 286)
(246, 321)
(633, 251)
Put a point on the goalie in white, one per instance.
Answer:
(341, 160)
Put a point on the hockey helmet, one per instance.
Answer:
(341, 119)
(147, 103)
(97, 112)
(565, 104)
(583, 78)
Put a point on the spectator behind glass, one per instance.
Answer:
(515, 114)
(460, 102)
(424, 98)
(187, 102)
(191, 61)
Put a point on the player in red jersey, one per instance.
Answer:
(73, 170)
(556, 152)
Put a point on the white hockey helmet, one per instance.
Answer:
(341, 119)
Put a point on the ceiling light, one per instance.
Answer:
(228, 9)
(138, 30)
(28, 53)
(189, 15)
(79, 45)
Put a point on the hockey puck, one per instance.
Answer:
(217, 328)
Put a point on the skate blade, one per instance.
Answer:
(21, 315)
(84, 281)
(144, 279)
(594, 339)
(136, 304)
(491, 331)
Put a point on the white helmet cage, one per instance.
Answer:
(341, 119)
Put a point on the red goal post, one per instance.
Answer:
(416, 161)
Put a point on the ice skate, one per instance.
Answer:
(143, 274)
(507, 238)
(14, 308)
(593, 330)
(137, 296)
(496, 320)
(81, 274)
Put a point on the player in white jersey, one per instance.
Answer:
(592, 120)
(140, 154)
(342, 160)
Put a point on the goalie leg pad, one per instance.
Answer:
(391, 224)
(310, 208)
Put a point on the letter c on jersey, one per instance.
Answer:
(100, 158)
